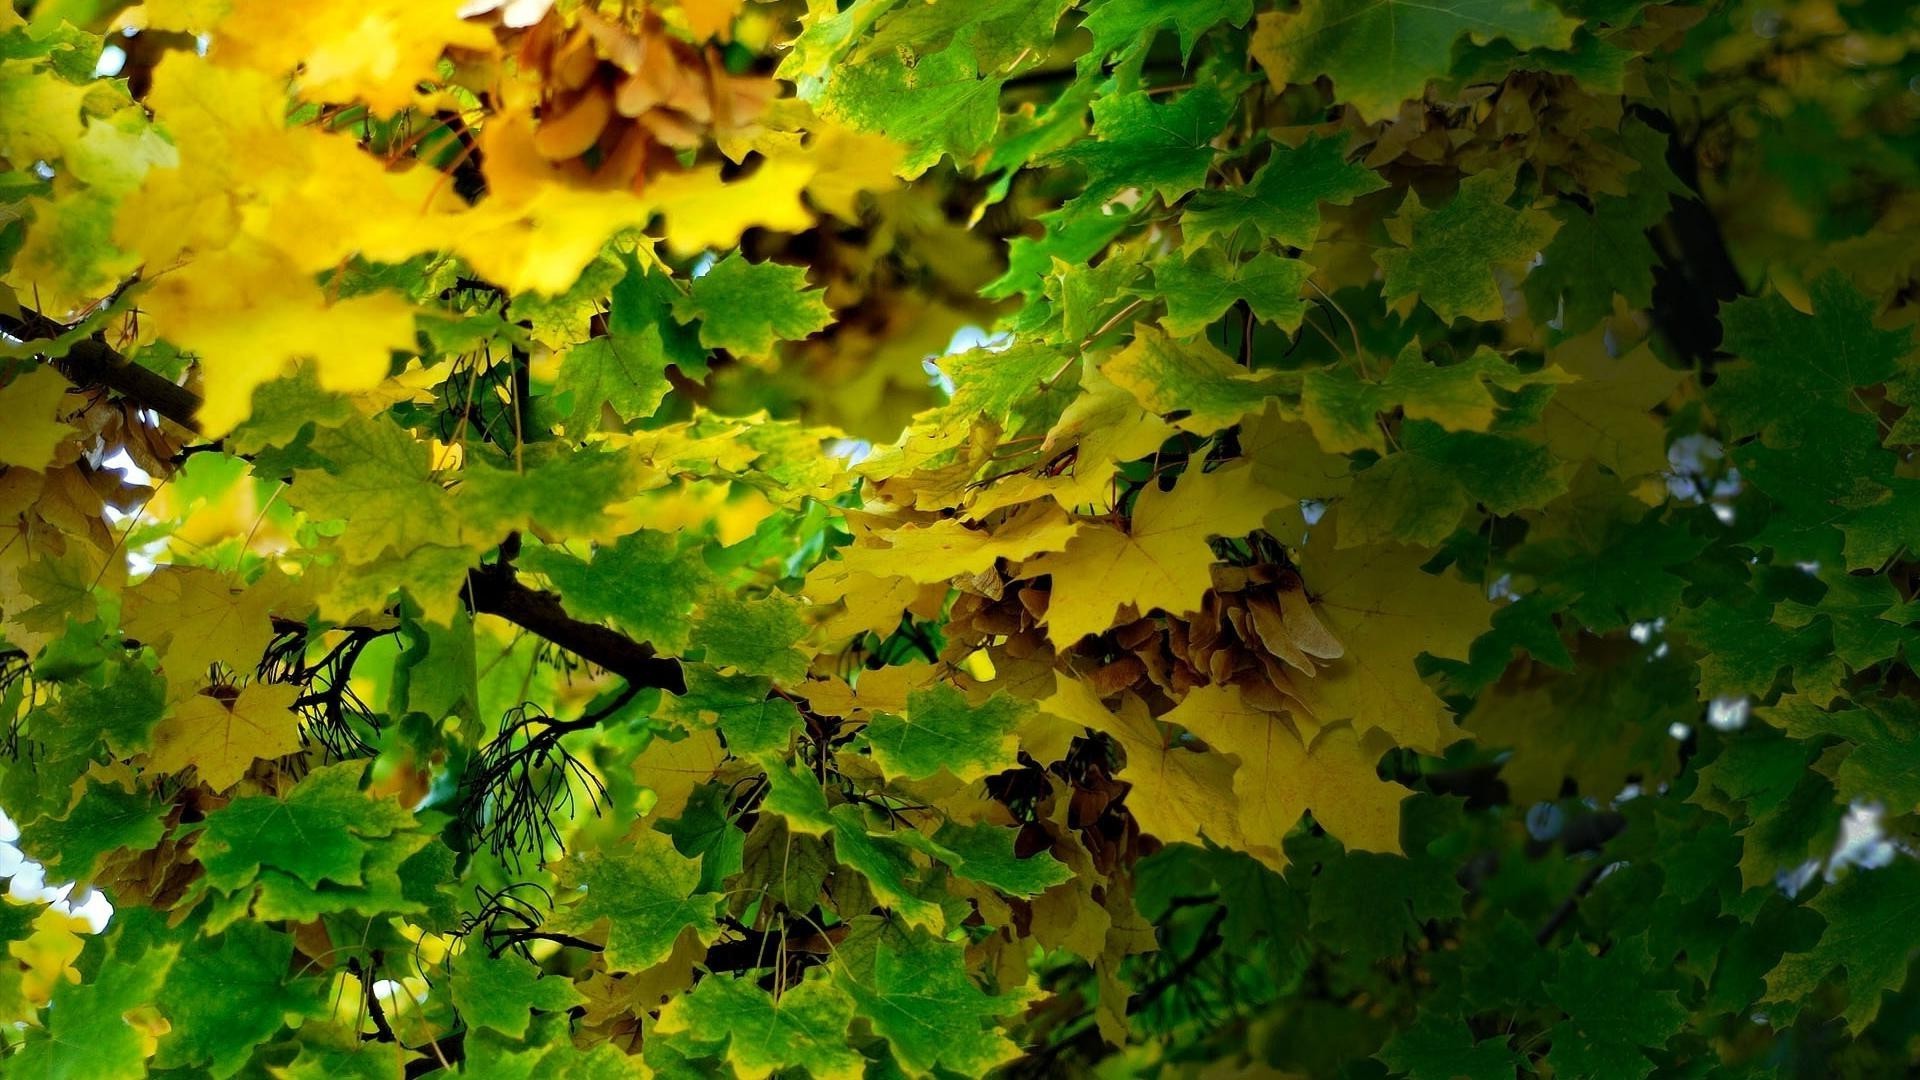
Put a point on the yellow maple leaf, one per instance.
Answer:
(196, 617)
(247, 313)
(948, 549)
(1105, 426)
(49, 953)
(1162, 561)
(1193, 377)
(222, 738)
(672, 769)
(1386, 611)
(374, 51)
(847, 162)
(1179, 794)
(1281, 776)
(1606, 415)
(703, 212)
(33, 431)
(710, 18)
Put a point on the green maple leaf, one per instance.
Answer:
(1448, 254)
(1071, 238)
(1380, 53)
(1766, 781)
(1118, 24)
(497, 991)
(998, 31)
(755, 720)
(755, 637)
(646, 582)
(1420, 494)
(645, 891)
(1884, 526)
(1878, 741)
(625, 372)
(87, 1036)
(1200, 287)
(1612, 1012)
(942, 730)
(1800, 367)
(1169, 376)
(550, 489)
(1594, 256)
(1441, 1048)
(379, 479)
(799, 799)
(1282, 202)
(744, 307)
(119, 711)
(1343, 409)
(320, 831)
(940, 104)
(227, 995)
(805, 1028)
(382, 887)
(1869, 619)
(1139, 142)
(984, 852)
(1870, 918)
(283, 408)
(105, 820)
(1372, 905)
(706, 831)
(1745, 650)
(914, 989)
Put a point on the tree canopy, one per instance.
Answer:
(872, 538)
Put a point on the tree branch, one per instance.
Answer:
(495, 590)
(92, 362)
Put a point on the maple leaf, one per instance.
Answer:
(803, 1029)
(1868, 934)
(1179, 793)
(1801, 368)
(497, 991)
(1199, 288)
(33, 403)
(882, 860)
(1169, 376)
(222, 738)
(915, 992)
(645, 894)
(1605, 416)
(226, 995)
(1382, 52)
(940, 729)
(1282, 201)
(323, 830)
(1125, 23)
(1284, 771)
(88, 1032)
(379, 480)
(1343, 409)
(1160, 561)
(1162, 146)
(1448, 256)
(1386, 611)
(744, 306)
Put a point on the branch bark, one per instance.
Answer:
(495, 590)
(92, 362)
(492, 589)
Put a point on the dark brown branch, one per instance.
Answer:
(92, 362)
(495, 590)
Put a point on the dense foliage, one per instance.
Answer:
(1411, 577)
